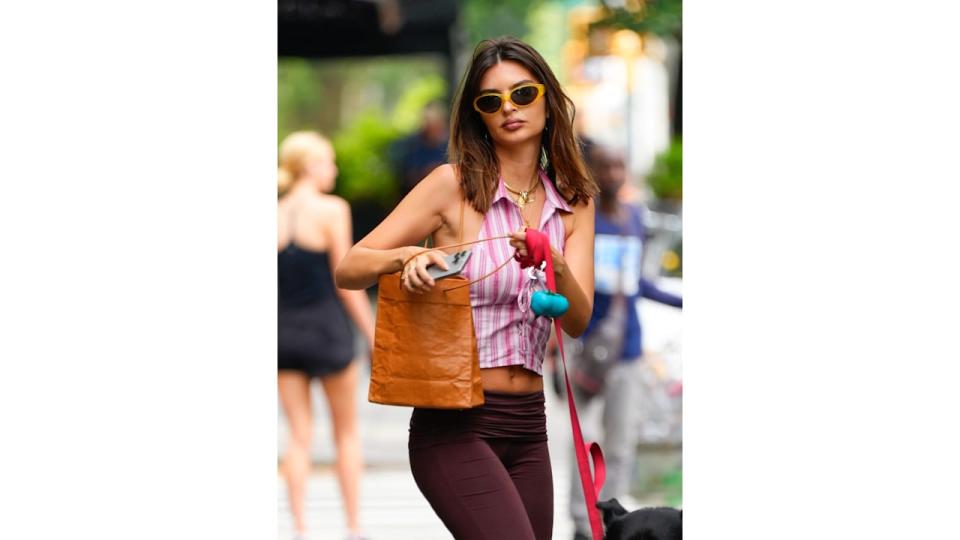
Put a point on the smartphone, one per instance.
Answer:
(455, 264)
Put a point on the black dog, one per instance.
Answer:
(643, 524)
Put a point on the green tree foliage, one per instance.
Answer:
(541, 23)
(298, 90)
(362, 106)
(661, 17)
(673, 482)
(361, 149)
(484, 19)
(548, 34)
(407, 112)
(666, 178)
(363, 145)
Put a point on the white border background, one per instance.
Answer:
(137, 157)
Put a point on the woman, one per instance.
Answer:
(486, 471)
(314, 336)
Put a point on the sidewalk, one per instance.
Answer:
(391, 506)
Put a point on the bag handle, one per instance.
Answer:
(460, 243)
(440, 248)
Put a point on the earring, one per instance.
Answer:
(544, 162)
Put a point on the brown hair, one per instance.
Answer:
(472, 151)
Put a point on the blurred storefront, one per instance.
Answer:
(621, 82)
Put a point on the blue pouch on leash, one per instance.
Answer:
(549, 304)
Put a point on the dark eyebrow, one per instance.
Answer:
(516, 84)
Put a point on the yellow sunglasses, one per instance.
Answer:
(521, 96)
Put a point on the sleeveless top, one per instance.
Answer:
(303, 275)
(508, 332)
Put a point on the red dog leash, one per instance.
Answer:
(538, 251)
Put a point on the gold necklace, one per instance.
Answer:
(523, 197)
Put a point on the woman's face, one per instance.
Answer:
(512, 124)
(321, 169)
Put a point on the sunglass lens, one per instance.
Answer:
(524, 95)
(489, 104)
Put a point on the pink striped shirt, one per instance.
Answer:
(508, 332)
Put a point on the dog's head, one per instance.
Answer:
(643, 524)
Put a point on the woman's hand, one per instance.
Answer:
(414, 276)
(518, 240)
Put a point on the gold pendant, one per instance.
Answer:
(524, 198)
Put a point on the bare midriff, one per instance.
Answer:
(511, 380)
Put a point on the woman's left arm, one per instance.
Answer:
(573, 269)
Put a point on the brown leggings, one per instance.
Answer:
(486, 471)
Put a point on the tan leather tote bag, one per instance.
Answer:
(425, 346)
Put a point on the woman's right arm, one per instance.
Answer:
(392, 242)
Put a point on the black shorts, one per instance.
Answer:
(316, 339)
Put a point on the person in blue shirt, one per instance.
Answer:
(618, 250)
(419, 153)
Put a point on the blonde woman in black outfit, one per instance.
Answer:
(314, 335)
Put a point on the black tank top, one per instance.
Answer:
(303, 274)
